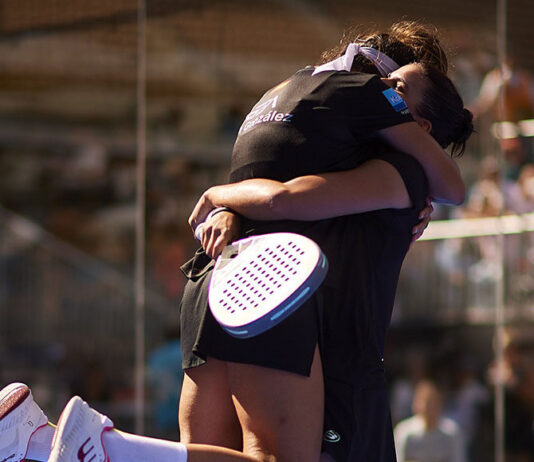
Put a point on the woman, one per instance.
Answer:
(282, 388)
(275, 394)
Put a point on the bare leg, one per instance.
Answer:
(203, 453)
(207, 414)
(125, 447)
(122, 446)
(281, 413)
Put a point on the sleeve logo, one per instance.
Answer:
(395, 99)
(259, 115)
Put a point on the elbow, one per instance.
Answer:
(279, 204)
(454, 196)
(459, 196)
(460, 201)
(450, 196)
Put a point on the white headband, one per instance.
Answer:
(382, 62)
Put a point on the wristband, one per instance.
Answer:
(216, 211)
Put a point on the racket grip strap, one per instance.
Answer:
(200, 226)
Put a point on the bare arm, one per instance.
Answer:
(445, 182)
(311, 197)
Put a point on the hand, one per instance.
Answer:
(201, 210)
(219, 231)
(424, 216)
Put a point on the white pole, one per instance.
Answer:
(140, 229)
(500, 314)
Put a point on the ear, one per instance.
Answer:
(425, 124)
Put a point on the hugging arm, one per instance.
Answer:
(310, 197)
(306, 198)
(445, 182)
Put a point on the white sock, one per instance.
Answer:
(40, 442)
(125, 447)
(120, 447)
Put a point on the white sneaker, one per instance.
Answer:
(78, 436)
(20, 417)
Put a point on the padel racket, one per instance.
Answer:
(259, 281)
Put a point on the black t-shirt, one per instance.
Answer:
(354, 304)
(323, 123)
(314, 124)
(366, 252)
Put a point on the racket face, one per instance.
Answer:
(268, 279)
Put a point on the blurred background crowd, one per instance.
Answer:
(68, 171)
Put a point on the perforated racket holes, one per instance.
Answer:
(259, 279)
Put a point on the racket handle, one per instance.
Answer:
(198, 231)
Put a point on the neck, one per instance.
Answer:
(431, 422)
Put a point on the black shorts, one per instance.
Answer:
(288, 346)
(357, 425)
(357, 415)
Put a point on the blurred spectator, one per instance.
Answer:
(468, 396)
(517, 375)
(520, 197)
(490, 197)
(520, 247)
(402, 391)
(517, 88)
(165, 377)
(485, 198)
(168, 252)
(428, 436)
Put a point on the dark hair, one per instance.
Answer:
(404, 42)
(443, 106)
(409, 42)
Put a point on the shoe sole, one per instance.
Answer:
(12, 397)
(73, 418)
(17, 409)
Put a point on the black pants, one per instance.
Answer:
(358, 424)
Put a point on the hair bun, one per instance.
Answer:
(466, 128)
(463, 131)
(468, 115)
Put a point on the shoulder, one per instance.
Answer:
(401, 161)
(410, 171)
(408, 427)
